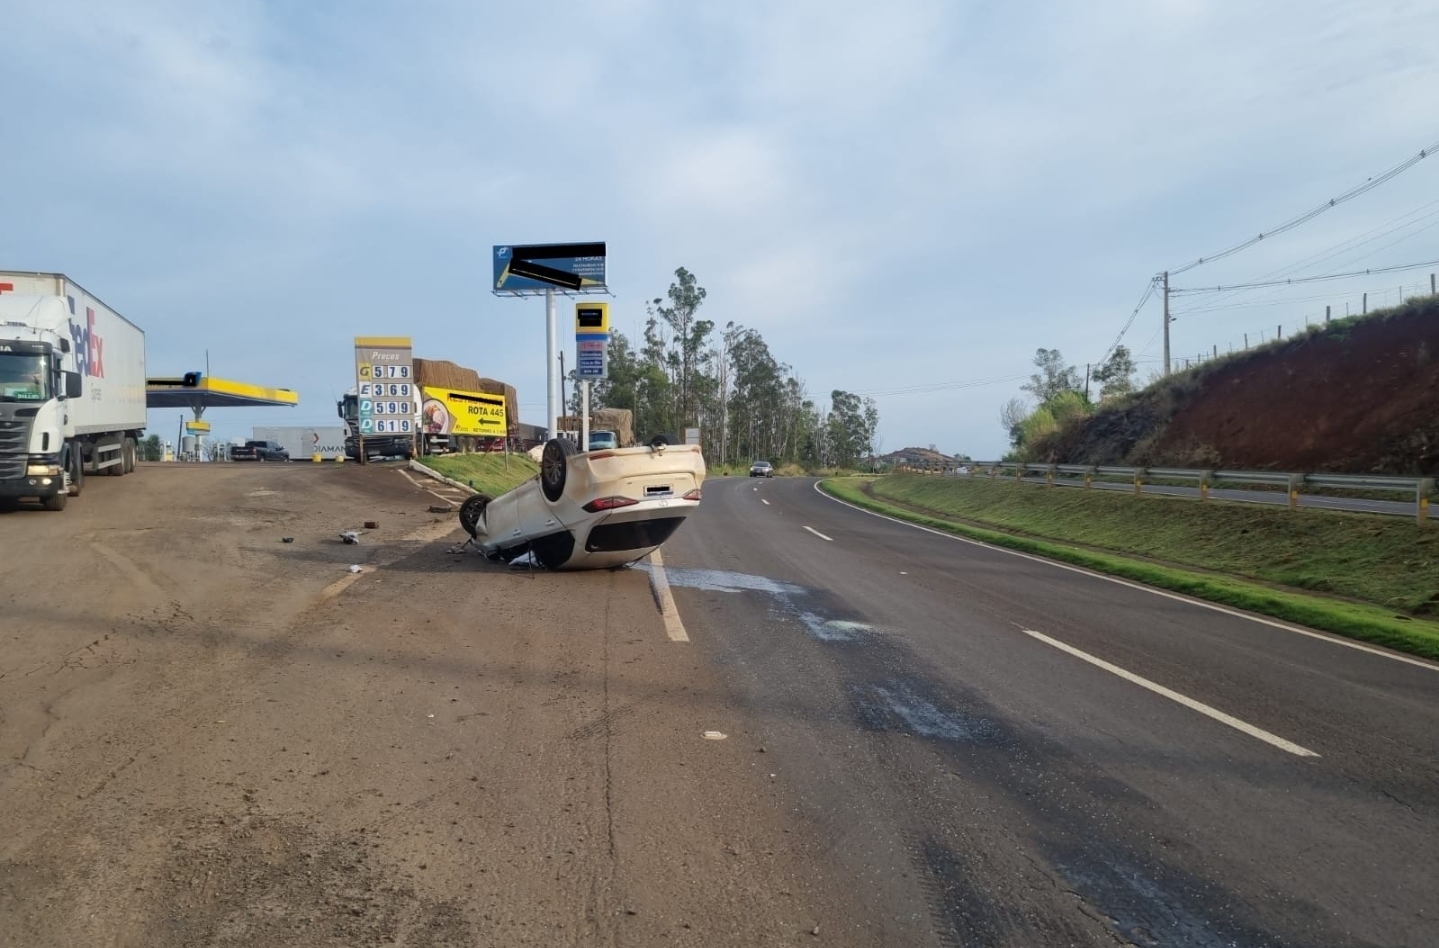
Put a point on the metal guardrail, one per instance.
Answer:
(1420, 488)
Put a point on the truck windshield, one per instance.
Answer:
(24, 377)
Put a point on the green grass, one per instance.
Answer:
(486, 473)
(1377, 578)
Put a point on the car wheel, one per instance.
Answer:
(661, 439)
(554, 468)
(472, 510)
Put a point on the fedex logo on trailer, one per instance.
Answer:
(89, 347)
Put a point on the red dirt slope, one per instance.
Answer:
(1356, 396)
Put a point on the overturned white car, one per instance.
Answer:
(590, 510)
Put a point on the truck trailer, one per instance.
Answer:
(72, 388)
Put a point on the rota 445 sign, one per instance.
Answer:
(389, 402)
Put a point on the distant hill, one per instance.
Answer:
(1356, 395)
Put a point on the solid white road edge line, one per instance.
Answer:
(406, 475)
(820, 535)
(660, 586)
(1175, 696)
(1213, 607)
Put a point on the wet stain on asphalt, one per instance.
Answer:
(1073, 815)
(901, 706)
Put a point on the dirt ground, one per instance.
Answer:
(211, 737)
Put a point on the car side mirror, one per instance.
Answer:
(72, 385)
(64, 345)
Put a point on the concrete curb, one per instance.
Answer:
(428, 472)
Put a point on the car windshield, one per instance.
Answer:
(24, 377)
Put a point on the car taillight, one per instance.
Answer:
(693, 495)
(601, 455)
(609, 503)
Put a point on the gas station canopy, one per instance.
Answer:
(198, 392)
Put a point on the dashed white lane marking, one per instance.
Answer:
(763, 501)
(1175, 696)
(660, 586)
(820, 535)
(1213, 607)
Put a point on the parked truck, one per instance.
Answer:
(72, 388)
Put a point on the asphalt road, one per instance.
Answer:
(980, 783)
(848, 732)
(1392, 508)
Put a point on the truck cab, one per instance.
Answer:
(72, 388)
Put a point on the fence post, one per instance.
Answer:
(1049, 476)
(1088, 478)
(1296, 481)
(1139, 473)
(1019, 472)
(1204, 479)
(1421, 501)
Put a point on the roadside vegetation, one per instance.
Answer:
(489, 473)
(686, 372)
(1366, 577)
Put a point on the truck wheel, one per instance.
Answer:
(77, 471)
(55, 503)
(128, 452)
(554, 468)
(471, 511)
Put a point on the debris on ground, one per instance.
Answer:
(356, 568)
(372, 524)
(287, 539)
(437, 508)
(350, 537)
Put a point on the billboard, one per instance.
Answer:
(389, 401)
(451, 412)
(527, 269)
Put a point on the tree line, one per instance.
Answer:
(1060, 398)
(685, 372)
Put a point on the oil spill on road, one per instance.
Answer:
(792, 600)
(904, 707)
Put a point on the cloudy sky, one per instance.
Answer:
(905, 198)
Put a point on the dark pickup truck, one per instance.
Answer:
(259, 451)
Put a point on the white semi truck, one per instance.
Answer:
(72, 388)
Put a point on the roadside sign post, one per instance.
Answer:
(575, 269)
(388, 401)
(592, 337)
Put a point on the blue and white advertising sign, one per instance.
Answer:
(535, 268)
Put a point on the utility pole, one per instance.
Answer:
(1086, 381)
(1166, 322)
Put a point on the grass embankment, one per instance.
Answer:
(1378, 577)
(487, 473)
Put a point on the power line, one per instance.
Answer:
(941, 386)
(1148, 292)
(1309, 215)
(1297, 280)
(1415, 288)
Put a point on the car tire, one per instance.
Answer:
(554, 468)
(472, 510)
(663, 439)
